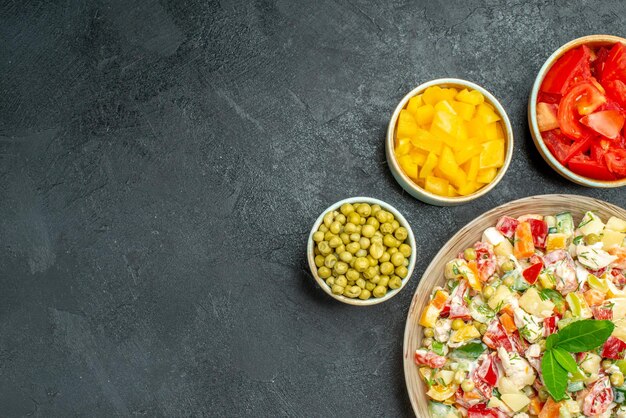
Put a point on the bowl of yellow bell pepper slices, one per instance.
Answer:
(449, 141)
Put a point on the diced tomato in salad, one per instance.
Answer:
(581, 111)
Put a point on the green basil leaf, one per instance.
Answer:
(469, 351)
(554, 376)
(551, 341)
(565, 359)
(584, 335)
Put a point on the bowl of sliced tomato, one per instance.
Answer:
(577, 111)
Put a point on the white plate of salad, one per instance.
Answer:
(522, 314)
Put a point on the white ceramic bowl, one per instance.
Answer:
(408, 184)
(593, 40)
(311, 255)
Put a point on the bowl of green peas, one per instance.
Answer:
(361, 251)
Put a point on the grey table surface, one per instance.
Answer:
(161, 164)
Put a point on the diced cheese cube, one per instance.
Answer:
(591, 224)
(493, 236)
(516, 402)
(616, 224)
(611, 238)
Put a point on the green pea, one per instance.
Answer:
(323, 272)
(341, 281)
(368, 231)
(345, 238)
(360, 283)
(355, 291)
(375, 209)
(351, 283)
(405, 263)
(364, 243)
(395, 225)
(369, 286)
(508, 281)
(328, 235)
(355, 237)
(370, 272)
(401, 271)
(385, 257)
(508, 265)
(372, 221)
(346, 209)
(392, 250)
(458, 324)
(365, 294)
(429, 332)
(328, 219)
(617, 379)
(316, 251)
(401, 233)
(405, 249)
(363, 221)
(377, 240)
(467, 385)
(372, 260)
(353, 247)
(319, 260)
(592, 239)
(381, 216)
(361, 264)
(324, 248)
(335, 227)
(364, 210)
(345, 256)
(361, 253)
(330, 281)
(334, 242)
(482, 328)
(379, 291)
(427, 342)
(386, 228)
(386, 268)
(337, 290)
(390, 241)
(341, 249)
(318, 236)
(397, 259)
(352, 274)
(375, 279)
(350, 228)
(469, 254)
(488, 292)
(395, 282)
(377, 250)
(330, 261)
(341, 218)
(384, 281)
(323, 228)
(341, 267)
(354, 218)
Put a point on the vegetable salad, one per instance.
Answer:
(531, 322)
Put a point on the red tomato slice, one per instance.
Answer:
(573, 64)
(578, 147)
(616, 161)
(608, 123)
(586, 167)
(557, 144)
(550, 98)
(615, 64)
(585, 92)
(616, 90)
(598, 64)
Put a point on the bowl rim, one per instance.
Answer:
(421, 193)
(565, 172)
(403, 222)
(423, 284)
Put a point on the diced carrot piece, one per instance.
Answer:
(524, 246)
(550, 409)
(474, 279)
(507, 310)
(534, 408)
(594, 297)
(507, 322)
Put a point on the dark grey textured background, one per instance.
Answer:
(161, 164)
